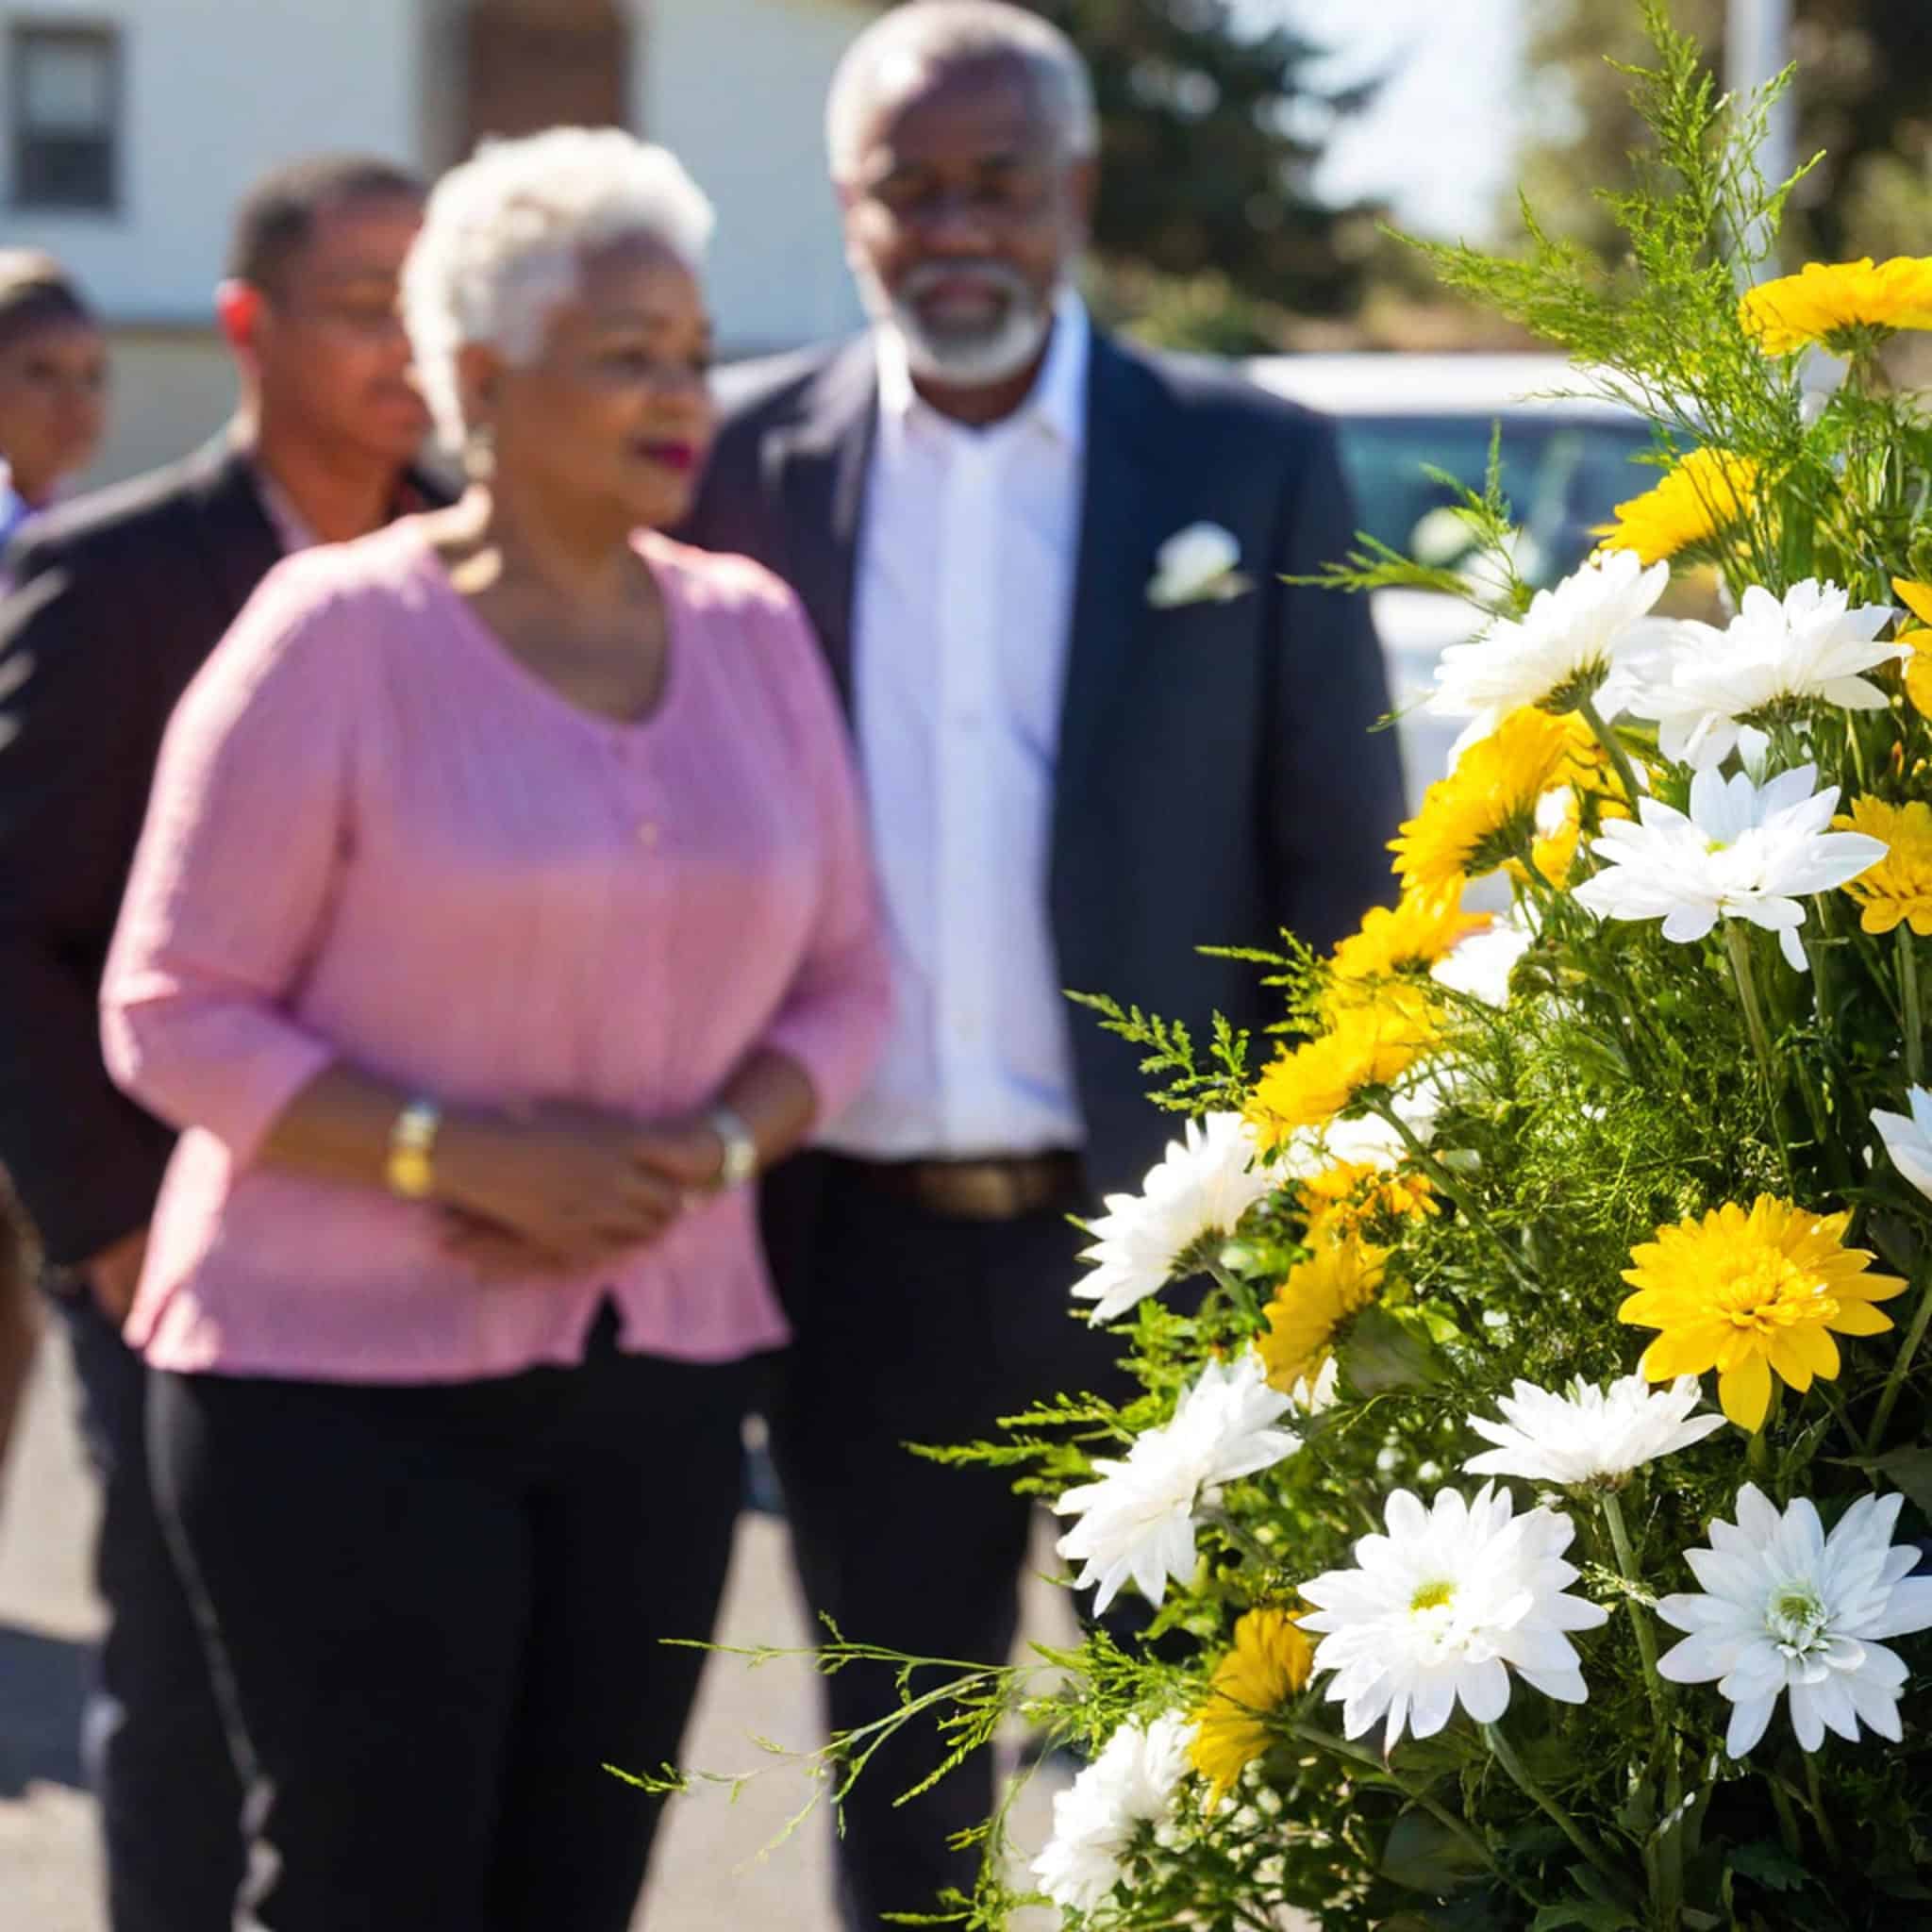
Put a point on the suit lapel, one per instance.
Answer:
(821, 464)
(1121, 527)
(239, 543)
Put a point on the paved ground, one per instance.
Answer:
(710, 1875)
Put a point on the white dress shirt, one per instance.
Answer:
(963, 601)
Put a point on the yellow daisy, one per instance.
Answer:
(1698, 499)
(1269, 1664)
(1484, 813)
(1846, 306)
(1918, 668)
(1338, 1281)
(1372, 1040)
(1899, 887)
(1416, 931)
(1344, 1199)
(1753, 1295)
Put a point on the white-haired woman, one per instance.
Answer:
(503, 906)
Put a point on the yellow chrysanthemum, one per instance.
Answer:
(1698, 499)
(1899, 887)
(1344, 1199)
(1845, 306)
(1918, 667)
(1371, 1041)
(1484, 813)
(1753, 1295)
(1338, 1281)
(1416, 931)
(1269, 1664)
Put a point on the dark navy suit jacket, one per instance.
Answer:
(1216, 779)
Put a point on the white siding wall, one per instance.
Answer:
(737, 89)
(215, 92)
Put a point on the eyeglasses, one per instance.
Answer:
(368, 321)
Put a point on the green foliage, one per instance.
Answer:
(1862, 98)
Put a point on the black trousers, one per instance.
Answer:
(436, 1612)
(151, 1737)
(912, 1327)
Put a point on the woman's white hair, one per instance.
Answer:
(921, 37)
(505, 235)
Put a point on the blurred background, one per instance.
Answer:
(1255, 149)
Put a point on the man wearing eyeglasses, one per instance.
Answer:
(115, 602)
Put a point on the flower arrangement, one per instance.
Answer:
(1525, 1487)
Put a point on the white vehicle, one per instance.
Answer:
(1566, 465)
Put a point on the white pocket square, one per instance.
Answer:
(1197, 566)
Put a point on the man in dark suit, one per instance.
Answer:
(1082, 763)
(114, 603)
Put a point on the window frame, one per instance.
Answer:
(105, 37)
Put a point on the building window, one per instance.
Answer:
(66, 114)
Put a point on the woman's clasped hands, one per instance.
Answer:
(559, 1187)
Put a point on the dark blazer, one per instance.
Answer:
(1217, 779)
(115, 602)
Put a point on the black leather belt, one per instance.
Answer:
(995, 1189)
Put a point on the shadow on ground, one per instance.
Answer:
(43, 1682)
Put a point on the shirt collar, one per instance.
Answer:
(292, 528)
(1057, 400)
(13, 506)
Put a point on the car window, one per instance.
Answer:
(1562, 475)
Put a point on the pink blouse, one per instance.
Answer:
(376, 835)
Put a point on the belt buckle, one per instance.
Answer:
(968, 1190)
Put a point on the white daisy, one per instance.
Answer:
(1199, 1192)
(1786, 1608)
(1590, 1435)
(1569, 645)
(1126, 1789)
(1443, 1608)
(1137, 1522)
(1909, 1139)
(1480, 966)
(1744, 851)
(1811, 646)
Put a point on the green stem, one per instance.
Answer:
(1620, 759)
(1737, 944)
(1667, 1869)
(1787, 1819)
(1640, 1619)
(1908, 1000)
(1519, 1773)
(1825, 1830)
(1239, 1292)
(1466, 1203)
(1455, 1827)
(1901, 1366)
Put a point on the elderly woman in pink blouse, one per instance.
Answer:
(501, 908)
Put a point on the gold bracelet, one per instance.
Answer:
(412, 1169)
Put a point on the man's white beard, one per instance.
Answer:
(977, 360)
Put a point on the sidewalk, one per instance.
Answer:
(709, 1875)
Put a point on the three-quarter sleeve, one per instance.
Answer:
(834, 1016)
(246, 827)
